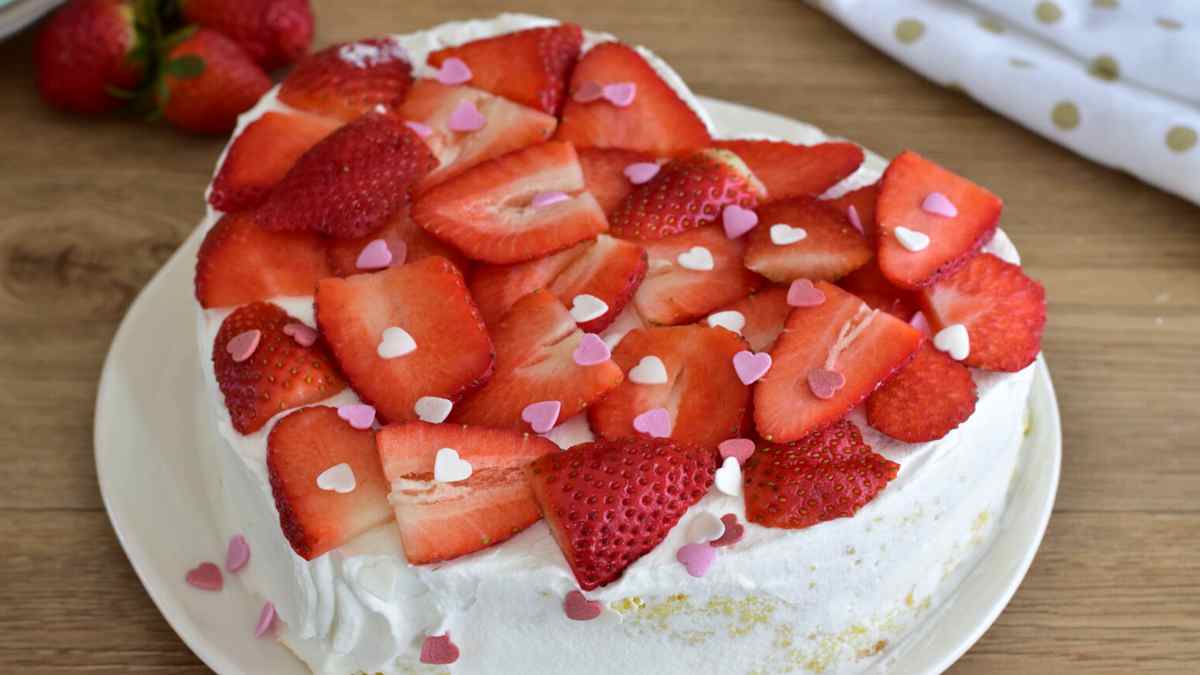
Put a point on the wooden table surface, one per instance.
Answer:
(89, 209)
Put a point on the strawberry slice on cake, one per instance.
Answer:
(404, 241)
(606, 172)
(925, 400)
(803, 238)
(759, 318)
(869, 284)
(240, 262)
(692, 274)
(347, 80)
(859, 208)
(789, 170)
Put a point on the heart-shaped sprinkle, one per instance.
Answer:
(266, 620)
(591, 350)
(728, 478)
(705, 527)
(586, 307)
(302, 334)
(953, 340)
(454, 71)
(852, 214)
(696, 558)
(338, 478)
(825, 383)
(438, 650)
(738, 448)
(697, 259)
(588, 91)
(422, 130)
(783, 234)
(578, 608)
(237, 554)
(466, 117)
(374, 256)
(542, 415)
(620, 94)
(448, 467)
(911, 239)
(655, 423)
(751, 366)
(734, 531)
(919, 322)
(802, 293)
(650, 370)
(939, 205)
(396, 342)
(730, 319)
(543, 199)
(243, 345)
(359, 415)
(206, 576)
(641, 172)
(433, 409)
(738, 221)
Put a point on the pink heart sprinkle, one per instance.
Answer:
(852, 214)
(620, 94)
(939, 205)
(697, 558)
(734, 531)
(242, 345)
(591, 350)
(579, 608)
(802, 293)
(439, 650)
(266, 620)
(454, 71)
(655, 422)
(588, 91)
(359, 415)
(542, 415)
(466, 117)
(919, 322)
(302, 334)
(543, 199)
(237, 554)
(751, 366)
(374, 256)
(641, 172)
(422, 130)
(738, 221)
(206, 576)
(741, 448)
(825, 383)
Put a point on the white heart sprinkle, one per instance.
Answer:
(730, 319)
(783, 234)
(696, 258)
(586, 307)
(729, 477)
(911, 239)
(705, 527)
(953, 340)
(338, 478)
(448, 467)
(433, 409)
(396, 342)
(650, 370)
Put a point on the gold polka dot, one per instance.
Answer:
(1065, 115)
(1020, 63)
(1105, 67)
(1106, 4)
(909, 31)
(1181, 139)
(1169, 24)
(991, 24)
(1048, 12)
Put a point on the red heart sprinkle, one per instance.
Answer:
(439, 650)
(734, 531)
(579, 608)
(206, 576)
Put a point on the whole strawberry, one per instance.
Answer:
(207, 81)
(88, 48)
(273, 32)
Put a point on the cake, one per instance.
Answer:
(795, 471)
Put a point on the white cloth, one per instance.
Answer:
(1117, 81)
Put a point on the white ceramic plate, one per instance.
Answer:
(151, 425)
(18, 14)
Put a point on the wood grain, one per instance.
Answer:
(89, 209)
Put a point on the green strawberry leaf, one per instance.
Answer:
(186, 67)
(117, 92)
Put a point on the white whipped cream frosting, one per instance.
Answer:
(830, 598)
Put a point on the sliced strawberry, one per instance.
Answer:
(351, 183)
(604, 174)
(347, 80)
(488, 212)
(1003, 310)
(828, 474)
(507, 127)
(607, 268)
(277, 375)
(673, 294)
(925, 400)
(535, 346)
(406, 241)
(869, 284)
(907, 187)
(789, 170)
(656, 122)
(762, 315)
(703, 396)
(530, 66)
(831, 249)
(428, 300)
(303, 446)
(609, 503)
(239, 262)
(859, 208)
(440, 521)
(262, 155)
(841, 336)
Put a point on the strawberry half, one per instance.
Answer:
(907, 187)
(609, 503)
(860, 205)
(262, 155)
(85, 49)
(406, 241)
(302, 447)
(925, 400)
(278, 375)
(703, 396)
(1003, 310)
(272, 32)
(604, 174)
(869, 284)
(764, 314)
(239, 262)
(351, 183)
(840, 337)
(441, 521)
(530, 66)
(429, 301)
(488, 212)
(826, 475)
(685, 194)
(831, 249)
(656, 122)
(790, 170)
(673, 294)
(218, 83)
(347, 80)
